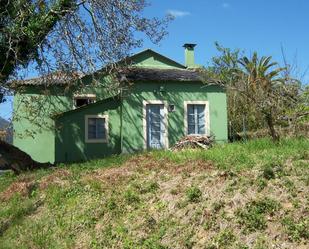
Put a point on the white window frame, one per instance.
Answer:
(104, 140)
(165, 135)
(83, 96)
(207, 118)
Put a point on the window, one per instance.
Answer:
(81, 100)
(96, 128)
(196, 118)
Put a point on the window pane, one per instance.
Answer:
(100, 128)
(96, 128)
(190, 109)
(191, 119)
(91, 128)
(191, 129)
(201, 119)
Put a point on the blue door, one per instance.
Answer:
(155, 126)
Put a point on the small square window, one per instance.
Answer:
(81, 100)
(96, 128)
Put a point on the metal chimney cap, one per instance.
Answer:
(189, 45)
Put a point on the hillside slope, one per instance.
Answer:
(252, 195)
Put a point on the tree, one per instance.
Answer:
(222, 72)
(263, 86)
(259, 86)
(70, 35)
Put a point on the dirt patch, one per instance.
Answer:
(109, 176)
(192, 166)
(58, 177)
(24, 188)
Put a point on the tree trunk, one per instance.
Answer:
(14, 159)
(271, 127)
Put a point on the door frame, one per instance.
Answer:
(165, 122)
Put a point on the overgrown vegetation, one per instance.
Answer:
(241, 195)
(261, 94)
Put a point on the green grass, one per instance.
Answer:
(243, 155)
(239, 195)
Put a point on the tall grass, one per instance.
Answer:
(242, 155)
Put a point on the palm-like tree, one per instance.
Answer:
(261, 84)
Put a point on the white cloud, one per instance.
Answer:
(178, 13)
(225, 5)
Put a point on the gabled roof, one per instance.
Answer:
(155, 64)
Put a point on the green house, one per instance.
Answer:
(161, 101)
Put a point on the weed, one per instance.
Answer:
(111, 204)
(209, 223)
(268, 173)
(261, 184)
(253, 215)
(261, 243)
(216, 206)
(297, 229)
(290, 186)
(193, 194)
(131, 196)
(149, 187)
(306, 180)
(224, 239)
(188, 242)
(175, 191)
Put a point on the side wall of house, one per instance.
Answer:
(175, 93)
(71, 145)
(32, 122)
(34, 106)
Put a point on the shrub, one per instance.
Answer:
(194, 194)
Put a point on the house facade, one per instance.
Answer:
(164, 101)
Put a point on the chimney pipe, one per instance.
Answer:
(189, 55)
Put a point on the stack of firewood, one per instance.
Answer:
(194, 142)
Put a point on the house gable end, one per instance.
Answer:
(151, 59)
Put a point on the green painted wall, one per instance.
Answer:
(174, 93)
(32, 122)
(70, 133)
(34, 107)
(149, 58)
(70, 140)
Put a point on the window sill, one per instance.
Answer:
(93, 141)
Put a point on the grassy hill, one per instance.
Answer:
(242, 195)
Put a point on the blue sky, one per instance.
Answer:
(251, 25)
